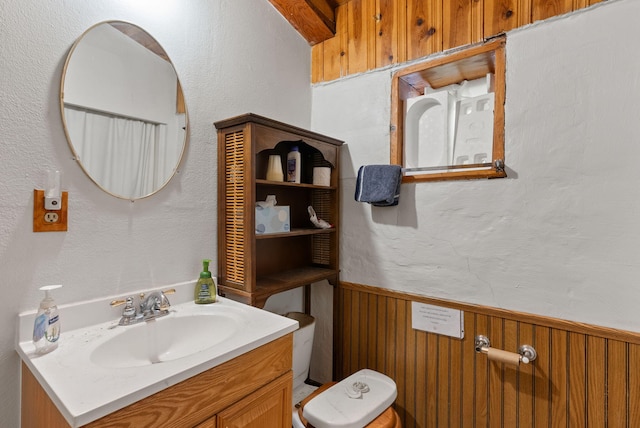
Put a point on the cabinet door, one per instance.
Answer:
(270, 406)
(209, 423)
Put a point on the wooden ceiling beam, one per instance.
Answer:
(315, 20)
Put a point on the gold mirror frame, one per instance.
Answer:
(134, 40)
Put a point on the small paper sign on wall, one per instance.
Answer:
(437, 319)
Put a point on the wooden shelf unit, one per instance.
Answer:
(252, 266)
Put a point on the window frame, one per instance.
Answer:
(466, 64)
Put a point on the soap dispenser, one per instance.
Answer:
(205, 291)
(46, 328)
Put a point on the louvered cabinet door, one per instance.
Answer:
(234, 192)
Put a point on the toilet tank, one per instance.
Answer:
(302, 346)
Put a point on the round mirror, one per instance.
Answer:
(123, 110)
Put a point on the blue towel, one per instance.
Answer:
(379, 185)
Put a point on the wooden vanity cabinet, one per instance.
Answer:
(252, 390)
(263, 408)
(253, 266)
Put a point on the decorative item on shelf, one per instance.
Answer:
(322, 176)
(271, 218)
(274, 168)
(293, 165)
(317, 222)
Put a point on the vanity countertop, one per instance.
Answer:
(85, 391)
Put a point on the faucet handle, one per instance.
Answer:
(129, 313)
(128, 308)
(169, 291)
(164, 301)
(115, 303)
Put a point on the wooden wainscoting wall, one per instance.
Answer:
(584, 376)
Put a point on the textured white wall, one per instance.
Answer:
(561, 235)
(232, 56)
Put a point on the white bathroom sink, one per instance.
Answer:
(100, 367)
(164, 339)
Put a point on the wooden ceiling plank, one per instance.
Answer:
(313, 19)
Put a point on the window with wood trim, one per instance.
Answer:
(447, 118)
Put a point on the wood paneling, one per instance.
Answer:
(584, 376)
(634, 383)
(617, 385)
(596, 381)
(390, 32)
(500, 16)
(317, 57)
(461, 23)
(334, 63)
(375, 33)
(424, 27)
(361, 42)
(542, 9)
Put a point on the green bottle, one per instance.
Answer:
(205, 288)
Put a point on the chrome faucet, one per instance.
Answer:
(152, 306)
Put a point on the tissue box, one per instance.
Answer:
(273, 219)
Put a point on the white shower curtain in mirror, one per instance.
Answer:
(126, 156)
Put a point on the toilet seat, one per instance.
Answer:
(328, 410)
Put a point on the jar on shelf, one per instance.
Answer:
(274, 168)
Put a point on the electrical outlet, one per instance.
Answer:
(51, 217)
(49, 220)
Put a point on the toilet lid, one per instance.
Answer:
(353, 402)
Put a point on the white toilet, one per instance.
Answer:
(302, 346)
(361, 400)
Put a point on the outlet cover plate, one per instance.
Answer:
(39, 212)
